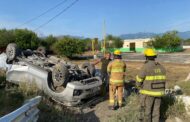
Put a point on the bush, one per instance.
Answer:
(26, 39)
(6, 37)
(69, 47)
(113, 42)
(22, 37)
(48, 42)
(169, 41)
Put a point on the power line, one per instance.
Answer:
(64, 10)
(50, 9)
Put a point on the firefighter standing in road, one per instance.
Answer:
(151, 83)
(116, 69)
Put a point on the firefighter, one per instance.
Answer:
(151, 83)
(116, 69)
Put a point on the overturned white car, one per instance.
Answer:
(62, 81)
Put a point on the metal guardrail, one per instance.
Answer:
(26, 113)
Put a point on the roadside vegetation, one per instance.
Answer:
(169, 41)
(67, 46)
(9, 100)
(129, 113)
(186, 42)
(13, 96)
(170, 108)
(185, 85)
(52, 112)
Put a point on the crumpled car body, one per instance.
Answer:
(79, 86)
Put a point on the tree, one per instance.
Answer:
(69, 46)
(88, 43)
(6, 37)
(186, 42)
(113, 42)
(169, 40)
(26, 39)
(48, 42)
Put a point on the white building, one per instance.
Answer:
(136, 45)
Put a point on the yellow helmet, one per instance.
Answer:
(150, 52)
(117, 52)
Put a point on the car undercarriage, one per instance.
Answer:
(64, 82)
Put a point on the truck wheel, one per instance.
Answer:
(11, 51)
(60, 76)
(90, 68)
(41, 50)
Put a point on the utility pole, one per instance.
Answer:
(93, 47)
(104, 37)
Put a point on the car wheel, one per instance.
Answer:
(41, 50)
(28, 52)
(89, 68)
(11, 51)
(60, 76)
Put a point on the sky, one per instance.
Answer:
(86, 18)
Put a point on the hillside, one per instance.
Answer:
(183, 35)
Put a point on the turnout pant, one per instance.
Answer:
(150, 108)
(112, 94)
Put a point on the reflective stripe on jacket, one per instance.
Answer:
(116, 68)
(152, 93)
(151, 79)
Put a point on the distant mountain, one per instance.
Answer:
(183, 35)
(137, 35)
(62, 36)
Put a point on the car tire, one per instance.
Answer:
(60, 75)
(49, 90)
(27, 52)
(41, 50)
(90, 68)
(11, 52)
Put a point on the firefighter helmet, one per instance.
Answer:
(117, 52)
(150, 52)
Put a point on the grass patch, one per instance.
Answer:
(28, 89)
(9, 101)
(12, 96)
(2, 81)
(129, 113)
(56, 113)
(185, 85)
(172, 107)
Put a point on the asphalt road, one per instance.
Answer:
(172, 58)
